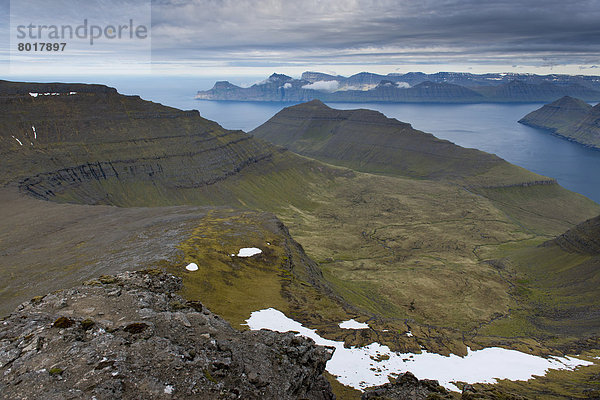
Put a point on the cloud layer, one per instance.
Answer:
(256, 36)
(324, 86)
(277, 32)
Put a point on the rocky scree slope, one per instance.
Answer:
(129, 336)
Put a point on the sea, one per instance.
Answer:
(489, 127)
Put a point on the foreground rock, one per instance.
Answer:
(129, 336)
(407, 386)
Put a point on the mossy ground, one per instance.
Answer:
(233, 286)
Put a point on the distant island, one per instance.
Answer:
(568, 117)
(412, 87)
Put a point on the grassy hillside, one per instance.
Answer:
(570, 118)
(404, 228)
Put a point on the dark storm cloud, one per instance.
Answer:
(376, 31)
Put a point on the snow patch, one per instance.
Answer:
(33, 94)
(361, 367)
(409, 334)
(352, 324)
(287, 85)
(249, 251)
(18, 140)
(192, 267)
(34, 132)
(169, 389)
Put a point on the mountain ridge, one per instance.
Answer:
(347, 136)
(442, 87)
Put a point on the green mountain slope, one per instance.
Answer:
(570, 118)
(559, 286)
(100, 147)
(367, 141)
(407, 243)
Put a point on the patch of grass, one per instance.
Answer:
(208, 376)
(55, 371)
(341, 391)
(63, 322)
(87, 324)
(234, 287)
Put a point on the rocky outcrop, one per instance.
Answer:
(129, 336)
(570, 118)
(442, 87)
(407, 386)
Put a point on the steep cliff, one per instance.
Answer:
(89, 144)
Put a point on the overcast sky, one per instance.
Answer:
(257, 37)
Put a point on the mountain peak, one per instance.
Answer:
(368, 141)
(279, 77)
(571, 101)
(315, 104)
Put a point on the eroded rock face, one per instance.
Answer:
(81, 147)
(407, 386)
(129, 336)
